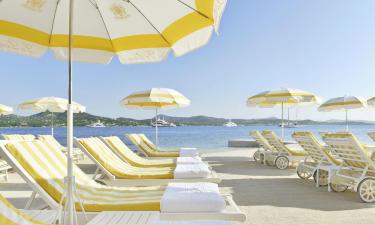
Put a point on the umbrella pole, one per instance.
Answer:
(70, 214)
(282, 120)
(52, 124)
(346, 119)
(156, 128)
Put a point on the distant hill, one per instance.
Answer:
(84, 119)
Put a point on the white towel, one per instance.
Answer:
(192, 197)
(189, 152)
(183, 171)
(189, 160)
(193, 222)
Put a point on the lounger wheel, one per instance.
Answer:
(366, 190)
(282, 162)
(323, 178)
(256, 156)
(338, 187)
(303, 174)
(100, 182)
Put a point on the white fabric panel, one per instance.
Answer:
(189, 160)
(22, 47)
(189, 152)
(192, 197)
(84, 55)
(187, 171)
(192, 41)
(143, 55)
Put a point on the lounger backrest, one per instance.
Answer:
(148, 142)
(275, 141)
(346, 146)
(312, 146)
(140, 144)
(123, 151)
(372, 135)
(262, 141)
(19, 137)
(9, 215)
(51, 140)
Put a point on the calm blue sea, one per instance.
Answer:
(205, 137)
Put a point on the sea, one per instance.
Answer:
(203, 137)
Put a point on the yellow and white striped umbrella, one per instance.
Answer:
(5, 110)
(283, 97)
(134, 30)
(51, 104)
(155, 99)
(343, 103)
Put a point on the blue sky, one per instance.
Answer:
(325, 47)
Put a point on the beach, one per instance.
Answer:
(265, 194)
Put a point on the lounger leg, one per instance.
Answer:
(31, 200)
(317, 178)
(96, 173)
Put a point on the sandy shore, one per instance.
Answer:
(267, 195)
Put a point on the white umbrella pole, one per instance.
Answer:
(346, 119)
(156, 128)
(52, 124)
(70, 216)
(282, 120)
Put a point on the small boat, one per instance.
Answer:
(230, 124)
(162, 123)
(98, 124)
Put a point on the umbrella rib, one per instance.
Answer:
(105, 25)
(53, 22)
(160, 33)
(193, 9)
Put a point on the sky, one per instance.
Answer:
(320, 46)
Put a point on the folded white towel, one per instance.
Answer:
(192, 197)
(189, 152)
(189, 160)
(193, 222)
(198, 170)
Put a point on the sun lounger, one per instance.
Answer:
(264, 147)
(51, 140)
(126, 154)
(320, 163)
(286, 155)
(357, 170)
(18, 137)
(119, 171)
(44, 169)
(150, 150)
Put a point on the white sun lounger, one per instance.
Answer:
(229, 212)
(104, 153)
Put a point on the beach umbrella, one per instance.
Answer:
(52, 105)
(284, 97)
(345, 103)
(155, 99)
(136, 31)
(371, 102)
(5, 110)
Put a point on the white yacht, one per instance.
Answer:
(162, 123)
(230, 124)
(97, 124)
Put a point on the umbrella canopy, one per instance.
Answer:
(371, 102)
(343, 103)
(94, 31)
(136, 31)
(155, 99)
(5, 110)
(283, 97)
(51, 104)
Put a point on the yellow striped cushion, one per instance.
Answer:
(150, 144)
(276, 142)
(118, 167)
(9, 215)
(149, 151)
(135, 160)
(48, 167)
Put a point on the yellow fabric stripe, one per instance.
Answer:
(139, 41)
(341, 103)
(151, 104)
(185, 26)
(79, 41)
(205, 7)
(4, 220)
(23, 32)
(155, 95)
(149, 151)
